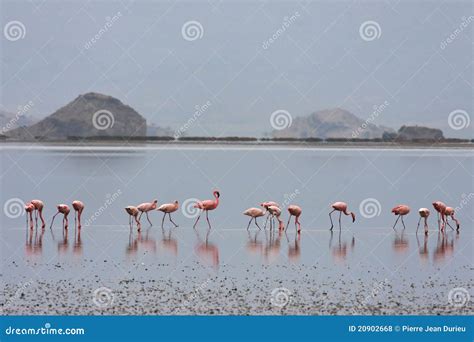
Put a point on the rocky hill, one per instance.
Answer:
(89, 115)
(10, 121)
(331, 123)
(415, 133)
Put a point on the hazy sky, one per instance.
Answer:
(322, 59)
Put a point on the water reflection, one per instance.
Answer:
(141, 240)
(444, 247)
(272, 244)
(423, 249)
(254, 246)
(77, 249)
(294, 250)
(63, 244)
(339, 252)
(207, 251)
(168, 242)
(34, 241)
(400, 242)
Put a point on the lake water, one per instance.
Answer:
(410, 273)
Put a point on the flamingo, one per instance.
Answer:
(342, 208)
(424, 213)
(295, 211)
(275, 212)
(449, 212)
(62, 209)
(39, 205)
(266, 205)
(133, 212)
(168, 209)
(145, 208)
(206, 206)
(400, 210)
(440, 207)
(78, 208)
(29, 208)
(254, 213)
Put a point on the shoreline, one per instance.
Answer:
(267, 144)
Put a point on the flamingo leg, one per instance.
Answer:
(289, 218)
(163, 220)
(403, 222)
(137, 220)
(418, 226)
(266, 221)
(340, 215)
(175, 225)
(426, 226)
(330, 217)
(297, 221)
(146, 212)
(396, 222)
(197, 220)
(207, 218)
(449, 224)
(249, 223)
(52, 221)
(257, 224)
(43, 223)
(439, 222)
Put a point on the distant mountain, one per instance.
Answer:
(9, 121)
(91, 114)
(414, 133)
(331, 123)
(153, 130)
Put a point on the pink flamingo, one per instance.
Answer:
(449, 212)
(78, 208)
(206, 206)
(145, 208)
(424, 213)
(133, 212)
(275, 212)
(168, 209)
(295, 211)
(266, 205)
(400, 210)
(29, 208)
(62, 209)
(39, 205)
(440, 207)
(342, 208)
(254, 213)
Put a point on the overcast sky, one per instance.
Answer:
(323, 58)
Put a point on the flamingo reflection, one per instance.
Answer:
(400, 242)
(63, 244)
(254, 246)
(77, 247)
(272, 245)
(444, 247)
(423, 250)
(34, 242)
(339, 252)
(294, 250)
(206, 250)
(169, 243)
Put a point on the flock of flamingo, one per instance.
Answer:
(270, 208)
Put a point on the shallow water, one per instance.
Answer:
(364, 256)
